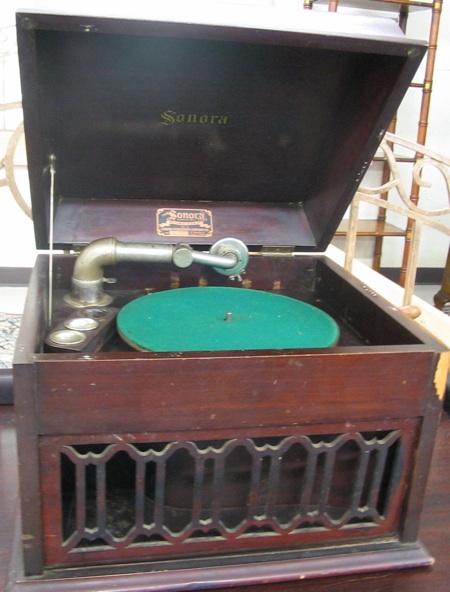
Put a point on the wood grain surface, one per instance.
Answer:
(435, 533)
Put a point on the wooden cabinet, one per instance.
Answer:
(176, 470)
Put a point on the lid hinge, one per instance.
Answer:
(277, 251)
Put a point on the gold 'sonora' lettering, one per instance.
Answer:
(171, 117)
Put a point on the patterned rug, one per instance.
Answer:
(9, 330)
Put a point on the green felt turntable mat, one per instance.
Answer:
(220, 319)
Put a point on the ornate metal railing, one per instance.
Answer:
(8, 161)
(419, 216)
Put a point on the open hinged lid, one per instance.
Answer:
(164, 130)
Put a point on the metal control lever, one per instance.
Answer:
(228, 256)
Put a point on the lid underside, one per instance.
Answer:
(264, 136)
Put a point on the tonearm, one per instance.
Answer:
(228, 256)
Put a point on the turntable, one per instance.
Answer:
(202, 396)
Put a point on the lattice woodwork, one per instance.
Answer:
(154, 498)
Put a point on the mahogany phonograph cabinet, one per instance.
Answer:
(183, 149)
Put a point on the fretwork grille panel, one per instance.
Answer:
(245, 492)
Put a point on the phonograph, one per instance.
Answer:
(202, 396)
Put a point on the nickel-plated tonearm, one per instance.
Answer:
(228, 256)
